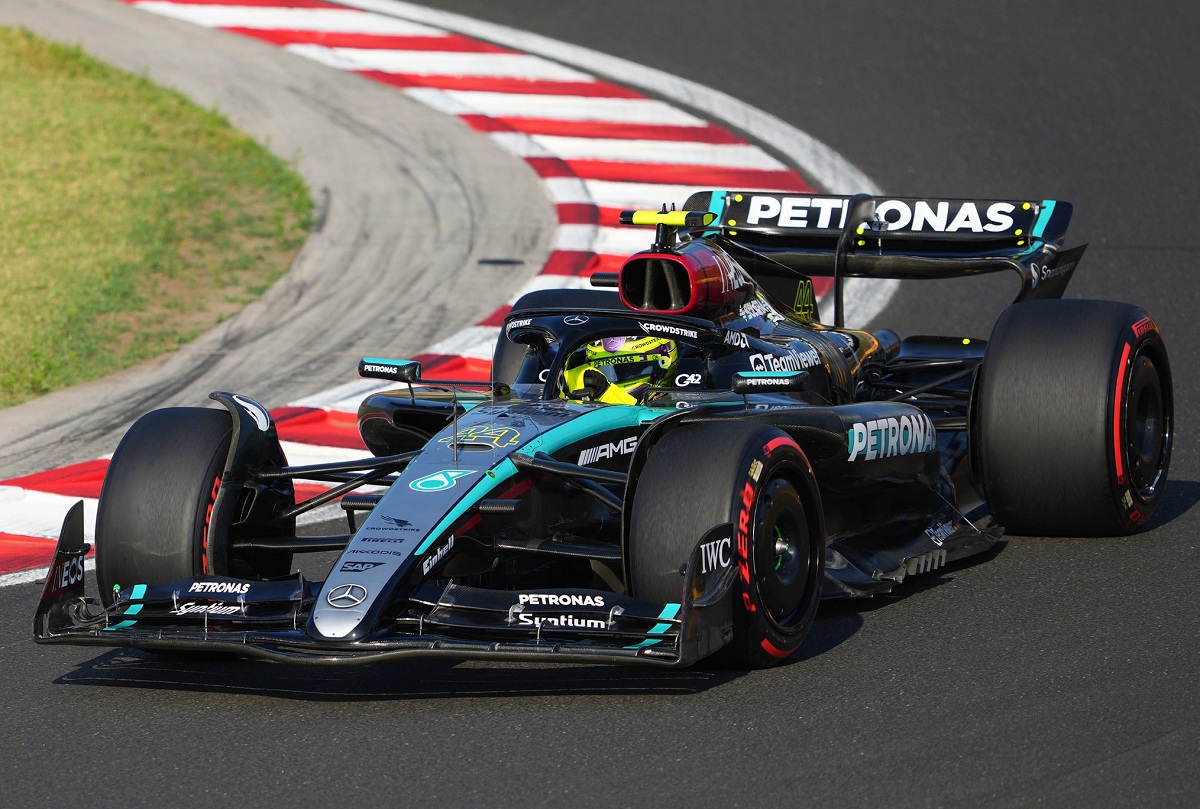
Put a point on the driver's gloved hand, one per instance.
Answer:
(594, 384)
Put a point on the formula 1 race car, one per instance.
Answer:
(678, 463)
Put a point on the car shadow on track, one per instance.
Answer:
(440, 679)
(418, 679)
(1179, 497)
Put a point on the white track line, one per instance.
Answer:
(267, 18)
(441, 63)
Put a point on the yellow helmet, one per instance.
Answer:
(620, 370)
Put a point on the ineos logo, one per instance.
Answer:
(684, 380)
(345, 596)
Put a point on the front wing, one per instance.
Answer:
(443, 619)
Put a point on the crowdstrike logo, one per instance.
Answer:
(674, 331)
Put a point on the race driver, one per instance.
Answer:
(620, 370)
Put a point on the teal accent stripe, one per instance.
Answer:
(139, 590)
(588, 424)
(669, 612)
(490, 480)
(1043, 218)
(716, 206)
(385, 361)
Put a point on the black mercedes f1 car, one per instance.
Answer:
(678, 463)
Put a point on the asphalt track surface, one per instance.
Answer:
(1058, 673)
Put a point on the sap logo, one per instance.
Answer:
(593, 454)
(686, 380)
(358, 567)
(736, 339)
(715, 555)
(437, 556)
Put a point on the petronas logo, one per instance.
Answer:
(438, 481)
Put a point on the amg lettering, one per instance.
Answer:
(593, 454)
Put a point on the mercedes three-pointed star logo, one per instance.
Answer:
(345, 596)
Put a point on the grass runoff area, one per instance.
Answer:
(131, 220)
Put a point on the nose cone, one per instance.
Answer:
(339, 610)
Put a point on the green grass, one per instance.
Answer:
(130, 220)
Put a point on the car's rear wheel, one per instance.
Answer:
(153, 522)
(756, 480)
(1072, 418)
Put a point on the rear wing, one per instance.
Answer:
(778, 236)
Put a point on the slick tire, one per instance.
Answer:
(1071, 419)
(152, 522)
(755, 479)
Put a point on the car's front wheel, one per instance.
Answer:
(154, 519)
(756, 480)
